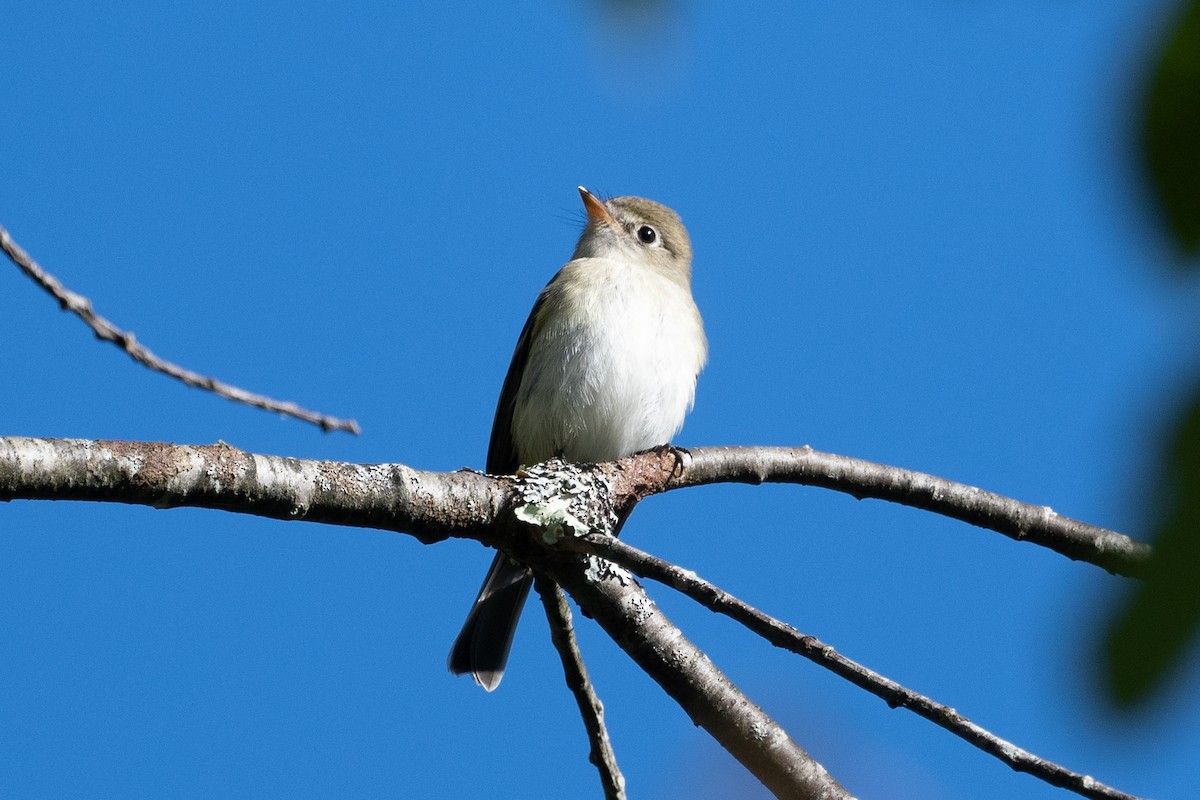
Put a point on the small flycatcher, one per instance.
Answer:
(605, 367)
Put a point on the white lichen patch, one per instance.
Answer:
(599, 569)
(563, 499)
(553, 517)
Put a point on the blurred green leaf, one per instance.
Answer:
(1149, 638)
(1171, 137)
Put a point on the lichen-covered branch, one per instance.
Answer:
(562, 499)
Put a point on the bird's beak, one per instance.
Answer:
(596, 210)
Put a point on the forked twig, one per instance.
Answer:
(785, 636)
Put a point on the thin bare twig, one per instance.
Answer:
(785, 636)
(81, 307)
(562, 634)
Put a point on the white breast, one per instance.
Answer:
(613, 366)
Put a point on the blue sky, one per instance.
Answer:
(920, 239)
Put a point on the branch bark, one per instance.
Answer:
(431, 506)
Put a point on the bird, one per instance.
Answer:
(605, 366)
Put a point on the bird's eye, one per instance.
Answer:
(647, 235)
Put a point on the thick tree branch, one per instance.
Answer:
(562, 634)
(662, 470)
(81, 307)
(76, 470)
(785, 636)
(428, 505)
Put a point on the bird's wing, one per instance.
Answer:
(502, 458)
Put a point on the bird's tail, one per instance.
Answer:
(483, 643)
